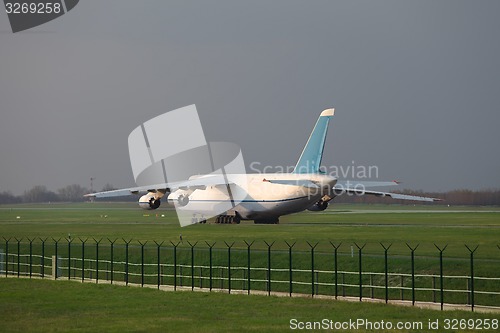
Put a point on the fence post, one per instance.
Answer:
(402, 284)
(290, 246)
(386, 274)
(158, 248)
(210, 246)
(112, 245)
(18, 256)
(97, 259)
(269, 245)
(343, 284)
(336, 247)
(83, 257)
(43, 256)
(360, 248)
(142, 261)
(229, 246)
(31, 256)
(175, 263)
(433, 289)
(312, 265)
(248, 264)
(412, 249)
(181, 275)
(192, 263)
(69, 240)
(201, 277)
(7, 255)
(472, 275)
(56, 242)
(126, 259)
(441, 273)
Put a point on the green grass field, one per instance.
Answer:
(50, 306)
(346, 224)
(424, 225)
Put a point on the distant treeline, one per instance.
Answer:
(455, 197)
(75, 193)
(70, 193)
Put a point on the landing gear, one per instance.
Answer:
(272, 220)
(227, 219)
(200, 220)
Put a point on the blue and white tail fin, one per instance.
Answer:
(310, 159)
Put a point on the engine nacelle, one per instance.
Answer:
(318, 206)
(179, 198)
(149, 201)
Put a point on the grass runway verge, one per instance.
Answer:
(67, 306)
(63, 306)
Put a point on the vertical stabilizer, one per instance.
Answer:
(310, 159)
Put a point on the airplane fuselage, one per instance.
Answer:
(258, 196)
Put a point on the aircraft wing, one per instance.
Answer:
(389, 194)
(196, 183)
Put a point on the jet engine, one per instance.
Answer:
(318, 206)
(322, 204)
(179, 198)
(149, 201)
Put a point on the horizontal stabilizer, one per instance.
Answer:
(362, 184)
(294, 182)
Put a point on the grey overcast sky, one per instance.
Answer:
(416, 86)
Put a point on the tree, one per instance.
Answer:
(9, 198)
(39, 193)
(72, 193)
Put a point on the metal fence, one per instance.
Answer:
(338, 273)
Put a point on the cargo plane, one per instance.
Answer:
(262, 197)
